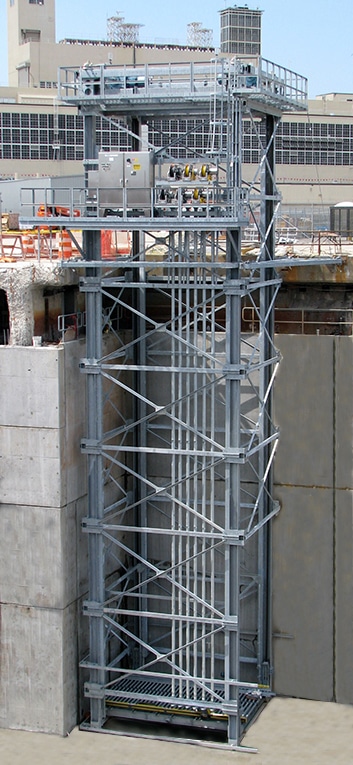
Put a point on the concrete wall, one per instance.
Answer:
(313, 534)
(42, 550)
(43, 555)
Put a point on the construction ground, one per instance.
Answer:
(288, 732)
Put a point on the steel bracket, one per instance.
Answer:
(235, 456)
(89, 284)
(90, 366)
(94, 691)
(92, 608)
(90, 446)
(91, 525)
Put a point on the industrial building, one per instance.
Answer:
(40, 135)
(173, 560)
(314, 151)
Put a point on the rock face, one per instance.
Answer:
(23, 284)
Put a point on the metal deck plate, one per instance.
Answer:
(140, 698)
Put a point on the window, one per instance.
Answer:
(30, 35)
(36, 2)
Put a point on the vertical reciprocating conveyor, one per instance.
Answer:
(180, 436)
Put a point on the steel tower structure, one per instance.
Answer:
(180, 433)
(198, 35)
(118, 30)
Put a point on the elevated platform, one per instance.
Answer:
(222, 208)
(140, 223)
(175, 89)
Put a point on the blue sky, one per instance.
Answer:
(312, 37)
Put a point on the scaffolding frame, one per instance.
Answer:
(180, 433)
(118, 30)
(198, 36)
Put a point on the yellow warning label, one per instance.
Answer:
(136, 166)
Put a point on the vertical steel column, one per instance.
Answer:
(266, 297)
(96, 583)
(232, 448)
(140, 353)
(232, 498)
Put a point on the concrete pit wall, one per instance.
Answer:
(42, 552)
(43, 555)
(313, 534)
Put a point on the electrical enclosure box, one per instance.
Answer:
(124, 181)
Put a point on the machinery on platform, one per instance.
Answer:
(126, 184)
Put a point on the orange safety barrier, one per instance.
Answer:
(115, 243)
(66, 211)
(122, 243)
(65, 245)
(28, 245)
(47, 244)
(45, 211)
(106, 244)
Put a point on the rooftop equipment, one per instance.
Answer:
(341, 219)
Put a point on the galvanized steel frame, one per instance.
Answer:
(180, 494)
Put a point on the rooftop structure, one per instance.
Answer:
(241, 31)
(120, 31)
(198, 36)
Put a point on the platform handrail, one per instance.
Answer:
(256, 76)
(176, 199)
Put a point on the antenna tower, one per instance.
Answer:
(199, 37)
(120, 31)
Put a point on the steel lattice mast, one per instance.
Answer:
(180, 434)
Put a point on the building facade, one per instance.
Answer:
(34, 55)
(40, 136)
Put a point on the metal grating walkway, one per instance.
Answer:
(143, 698)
